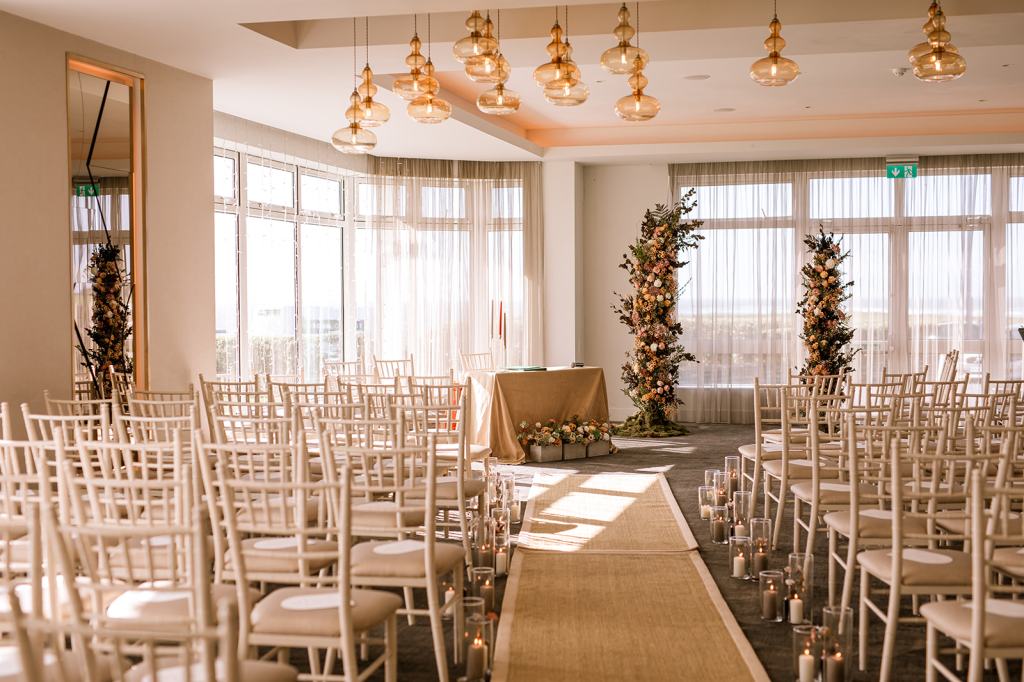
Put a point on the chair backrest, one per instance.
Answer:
(44, 427)
(949, 364)
(908, 379)
(389, 369)
(214, 392)
(281, 391)
(143, 429)
(6, 429)
(164, 404)
(156, 394)
(75, 408)
(122, 384)
(477, 361)
(344, 368)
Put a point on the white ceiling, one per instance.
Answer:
(847, 97)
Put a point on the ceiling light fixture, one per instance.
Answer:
(637, 106)
(491, 66)
(568, 90)
(555, 68)
(375, 114)
(428, 107)
(476, 43)
(416, 83)
(937, 60)
(353, 138)
(774, 70)
(619, 59)
(499, 101)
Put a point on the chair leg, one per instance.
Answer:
(464, 529)
(833, 546)
(458, 618)
(1002, 670)
(755, 489)
(410, 604)
(892, 623)
(851, 572)
(437, 630)
(862, 630)
(391, 648)
(797, 504)
(349, 661)
(931, 653)
(780, 509)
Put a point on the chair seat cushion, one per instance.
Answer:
(249, 671)
(448, 489)
(798, 468)
(383, 515)
(940, 567)
(313, 611)
(278, 554)
(160, 607)
(769, 451)
(1009, 560)
(1004, 620)
(403, 559)
(70, 670)
(830, 493)
(873, 523)
(797, 435)
(957, 523)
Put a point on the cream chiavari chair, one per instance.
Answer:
(82, 388)
(281, 391)
(165, 404)
(44, 427)
(451, 394)
(477, 361)
(413, 383)
(767, 414)
(6, 428)
(122, 385)
(222, 395)
(414, 559)
(996, 630)
(75, 408)
(909, 380)
(314, 605)
(344, 368)
(392, 369)
(949, 364)
(157, 394)
(925, 476)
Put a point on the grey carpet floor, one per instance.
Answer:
(683, 461)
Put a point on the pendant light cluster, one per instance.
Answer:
(499, 100)
(355, 138)
(936, 60)
(480, 54)
(774, 70)
(635, 106)
(560, 77)
(420, 87)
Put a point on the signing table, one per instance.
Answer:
(502, 400)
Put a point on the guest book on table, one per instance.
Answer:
(532, 368)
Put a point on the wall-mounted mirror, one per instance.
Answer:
(107, 231)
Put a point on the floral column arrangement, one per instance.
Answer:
(826, 329)
(652, 367)
(111, 327)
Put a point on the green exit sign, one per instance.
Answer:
(87, 190)
(901, 170)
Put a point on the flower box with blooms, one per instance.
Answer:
(576, 435)
(826, 328)
(652, 367)
(602, 443)
(542, 442)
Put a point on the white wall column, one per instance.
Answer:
(563, 267)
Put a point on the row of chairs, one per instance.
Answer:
(923, 482)
(286, 481)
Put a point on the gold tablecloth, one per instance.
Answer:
(501, 400)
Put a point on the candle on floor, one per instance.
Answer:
(739, 566)
(835, 668)
(501, 562)
(739, 529)
(476, 660)
(808, 667)
(796, 610)
(769, 607)
(449, 594)
(760, 562)
(487, 592)
(718, 531)
(705, 511)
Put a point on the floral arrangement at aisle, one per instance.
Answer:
(652, 367)
(548, 433)
(826, 328)
(111, 330)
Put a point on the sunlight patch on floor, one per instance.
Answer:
(620, 482)
(588, 506)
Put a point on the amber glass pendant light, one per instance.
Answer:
(637, 106)
(619, 59)
(499, 100)
(476, 43)
(428, 107)
(374, 113)
(941, 62)
(774, 70)
(354, 138)
(568, 90)
(416, 83)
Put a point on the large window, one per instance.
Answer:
(935, 261)
(279, 266)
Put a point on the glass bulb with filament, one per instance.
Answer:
(498, 101)
(774, 70)
(941, 62)
(353, 139)
(619, 59)
(429, 109)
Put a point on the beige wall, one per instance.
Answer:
(35, 299)
(614, 201)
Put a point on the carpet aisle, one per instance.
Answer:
(605, 585)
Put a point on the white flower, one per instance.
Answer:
(660, 297)
(654, 346)
(830, 263)
(537, 425)
(657, 282)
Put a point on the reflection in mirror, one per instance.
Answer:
(103, 231)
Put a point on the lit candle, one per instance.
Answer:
(449, 594)
(476, 660)
(739, 566)
(796, 610)
(485, 556)
(718, 530)
(769, 607)
(501, 562)
(808, 669)
(760, 562)
(514, 511)
(487, 592)
(835, 668)
(705, 511)
(739, 529)
(733, 483)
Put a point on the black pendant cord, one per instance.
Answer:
(88, 160)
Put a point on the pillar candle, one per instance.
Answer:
(739, 566)
(796, 610)
(449, 594)
(769, 607)
(739, 529)
(808, 669)
(705, 511)
(835, 668)
(476, 660)
(487, 592)
(760, 562)
(501, 562)
(718, 531)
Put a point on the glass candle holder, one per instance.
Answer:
(739, 557)
(447, 595)
(719, 524)
(837, 644)
(732, 473)
(722, 488)
(771, 591)
(482, 545)
(806, 653)
(741, 500)
(482, 581)
(800, 587)
(501, 541)
(760, 544)
(705, 500)
(479, 647)
(709, 476)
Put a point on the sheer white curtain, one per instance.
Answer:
(933, 259)
(441, 247)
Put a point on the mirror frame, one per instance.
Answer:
(137, 201)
